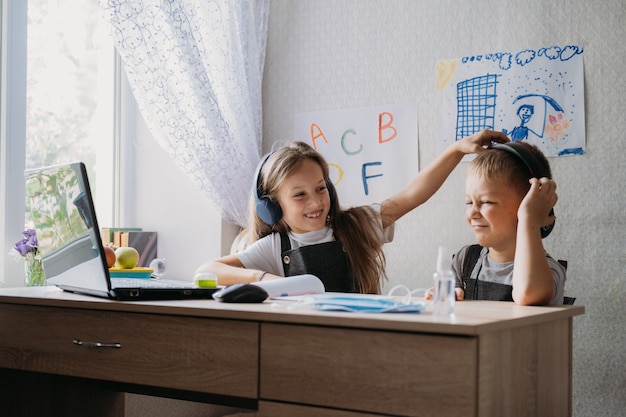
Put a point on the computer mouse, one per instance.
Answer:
(241, 293)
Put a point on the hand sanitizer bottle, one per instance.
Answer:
(444, 297)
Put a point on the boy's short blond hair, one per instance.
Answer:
(500, 165)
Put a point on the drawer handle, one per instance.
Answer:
(97, 344)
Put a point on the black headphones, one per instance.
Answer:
(534, 166)
(269, 211)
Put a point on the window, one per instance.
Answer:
(59, 93)
(69, 86)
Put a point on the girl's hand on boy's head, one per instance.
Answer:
(478, 142)
(535, 207)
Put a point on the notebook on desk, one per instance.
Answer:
(61, 204)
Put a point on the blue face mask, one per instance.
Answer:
(366, 303)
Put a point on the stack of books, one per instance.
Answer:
(137, 272)
(134, 237)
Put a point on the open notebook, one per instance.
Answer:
(60, 201)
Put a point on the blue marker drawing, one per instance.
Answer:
(476, 104)
(547, 99)
(534, 95)
(365, 177)
(526, 111)
(572, 151)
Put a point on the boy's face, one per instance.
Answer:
(304, 198)
(492, 211)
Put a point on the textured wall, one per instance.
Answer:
(329, 54)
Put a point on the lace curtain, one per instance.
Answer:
(195, 68)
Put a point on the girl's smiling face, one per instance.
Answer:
(492, 212)
(303, 198)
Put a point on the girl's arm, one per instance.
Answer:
(532, 278)
(230, 270)
(430, 179)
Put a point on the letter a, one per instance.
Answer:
(316, 133)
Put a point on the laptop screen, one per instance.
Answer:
(61, 207)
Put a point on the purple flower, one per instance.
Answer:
(28, 244)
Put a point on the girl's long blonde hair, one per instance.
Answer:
(352, 227)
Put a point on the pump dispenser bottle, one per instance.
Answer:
(444, 296)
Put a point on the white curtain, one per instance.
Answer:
(195, 68)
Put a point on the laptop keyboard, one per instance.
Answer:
(146, 283)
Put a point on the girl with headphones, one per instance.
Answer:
(298, 227)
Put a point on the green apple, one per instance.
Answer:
(126, 257)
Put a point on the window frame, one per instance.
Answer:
(12, 135)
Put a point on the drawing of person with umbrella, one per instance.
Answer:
(526, 111)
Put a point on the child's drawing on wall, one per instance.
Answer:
(532, 95)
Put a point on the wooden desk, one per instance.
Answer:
(490, 359)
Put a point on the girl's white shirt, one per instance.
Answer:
(265, 254)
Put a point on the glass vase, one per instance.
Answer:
(34, 273)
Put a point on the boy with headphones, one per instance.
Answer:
(510, 198)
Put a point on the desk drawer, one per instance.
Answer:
(395, 373)
(188, 353)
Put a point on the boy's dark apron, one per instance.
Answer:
(327, 261)
(481, 290)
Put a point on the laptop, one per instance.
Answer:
(61, 205)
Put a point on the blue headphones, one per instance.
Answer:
(534, 166)
(269, 211)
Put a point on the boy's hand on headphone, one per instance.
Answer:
(535, 207)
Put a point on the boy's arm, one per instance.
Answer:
(532, 278)
(430, 179)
